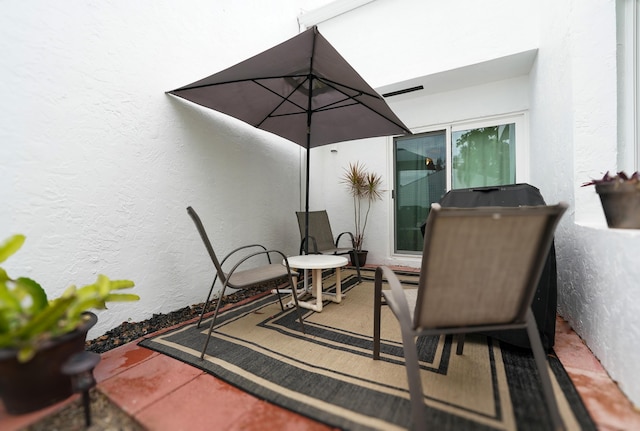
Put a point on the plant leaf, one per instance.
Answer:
(8, 300)
(46, 320)
(6, 340)
(35, 291)
(26, 353)
(10, 246)
(103, 285)
(122, 297)
(121, 284)
(74, 313)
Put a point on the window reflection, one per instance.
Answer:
(484, 156)
(420, 181)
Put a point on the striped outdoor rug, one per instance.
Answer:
(328, 374)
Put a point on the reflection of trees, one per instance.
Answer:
(483, 156)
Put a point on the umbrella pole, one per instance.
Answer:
(310, 77)
(306, 208)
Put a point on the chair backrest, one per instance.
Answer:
(481, 266)
(319, 229)
(203, 234)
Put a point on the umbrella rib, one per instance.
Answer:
(334, 85)
(324, 108)
(284, 99)
(235, 81)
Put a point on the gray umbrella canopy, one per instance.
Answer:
(302, 90)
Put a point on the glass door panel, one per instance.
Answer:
(420, 180)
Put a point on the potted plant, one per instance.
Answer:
(620, 198)
(365, 188)
(38, 335)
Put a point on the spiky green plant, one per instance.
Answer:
(28, 318)
(364, 187)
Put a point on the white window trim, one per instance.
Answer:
(629, 88)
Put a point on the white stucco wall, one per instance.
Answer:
(574, 123)
(97, 164)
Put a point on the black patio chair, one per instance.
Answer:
(321, 239)
(243, 279)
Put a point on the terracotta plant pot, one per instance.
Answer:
(621, 204)
(38, 383)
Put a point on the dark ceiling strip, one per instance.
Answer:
(406, 90)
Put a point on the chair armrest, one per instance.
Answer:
(396, 299)
(244, 247)
(313, 242)
(258, 253)
(353, 240)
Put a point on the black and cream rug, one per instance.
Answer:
(328, 373)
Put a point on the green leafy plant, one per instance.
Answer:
(364, 187)
(28, 317)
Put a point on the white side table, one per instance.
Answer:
(316, 263)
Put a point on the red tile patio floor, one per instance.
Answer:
(165, 394)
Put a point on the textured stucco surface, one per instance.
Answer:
(574, 131)
(97, 164)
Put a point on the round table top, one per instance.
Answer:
(317, 261)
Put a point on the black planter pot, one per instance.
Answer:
(38, 383)
(621, 204)
(361, 255)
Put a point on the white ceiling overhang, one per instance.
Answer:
(498, 69)
(328, 11)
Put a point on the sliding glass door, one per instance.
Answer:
(420, 180)
(464, 155)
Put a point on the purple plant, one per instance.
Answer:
(620, 177)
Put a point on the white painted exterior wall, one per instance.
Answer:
(97, 164)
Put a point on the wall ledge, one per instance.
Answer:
(598, 227)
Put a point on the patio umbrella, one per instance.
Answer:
(302, 90)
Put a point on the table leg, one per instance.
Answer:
(333, 297)
(316, 290)
(317, 284)
(338, 286)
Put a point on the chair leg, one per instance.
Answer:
(460, 347)
(294, 289)
(279, 298)
(415, 384)
(377, 306)
(543, 371)
(213, 322)
(206, 302)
